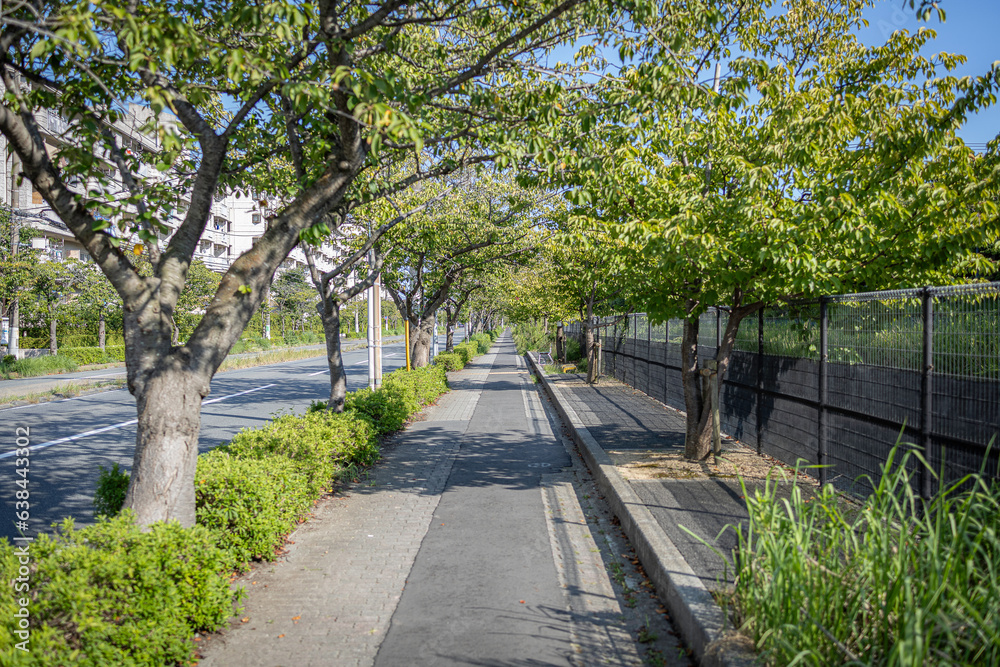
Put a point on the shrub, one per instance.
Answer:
(315, 445)
(467, 351)
(422, 385)
(450, 361)
(114, 594)
(94, 355)
(111, 488)
(249, 504)
(483, 340)
(574, 351)
(388, 406)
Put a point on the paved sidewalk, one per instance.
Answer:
(621, 418)
(466, 546)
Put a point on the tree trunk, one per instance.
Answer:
(334, 358)
(560, 343)
(422, 336)
(697, 442)
(588, 335)
(166, 452)
(101, 331)
(451, 321)
(698, 438)
(53, 344)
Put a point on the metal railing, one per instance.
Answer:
(836, 381)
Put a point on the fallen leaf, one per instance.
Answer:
(245, 619)
(280, 636)
(522, 601)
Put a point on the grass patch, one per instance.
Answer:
(897, 582)
(67, 390)
(35, 366)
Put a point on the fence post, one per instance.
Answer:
(718, 329)
(824, 324)
(760, 381)
(927, 392)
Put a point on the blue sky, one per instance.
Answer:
(971, 28)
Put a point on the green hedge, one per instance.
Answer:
(450, 361)
(316, 445)
(421, 385)
(113, 594)
(249, 504)
(94, 355)
(483, 340)
(467, 351)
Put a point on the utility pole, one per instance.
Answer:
(435, 336)
(267, 312)
(372, 324)
(15, 241)
(377, 290)
(375, 333)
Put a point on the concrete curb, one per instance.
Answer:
(692, 607)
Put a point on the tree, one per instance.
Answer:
(595, 276)
(54, 284)
(17, 270)
(336, 288)
(292, 294)
(99, 300)
(485, 221)
(819, 166)
(234, 89)
(455, 305)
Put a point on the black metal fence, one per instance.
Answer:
(838, 380)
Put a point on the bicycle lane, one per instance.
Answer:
(485, 588)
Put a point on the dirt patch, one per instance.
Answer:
(735, 460)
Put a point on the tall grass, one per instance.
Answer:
(535, 337)
(891, 583)
(34, 366)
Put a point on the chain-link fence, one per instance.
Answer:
(837, 381)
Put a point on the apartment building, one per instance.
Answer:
(236, 220)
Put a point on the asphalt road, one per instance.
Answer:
(71, 438)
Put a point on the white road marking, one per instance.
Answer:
(248, 391)
(319, 372)
(105, 429)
